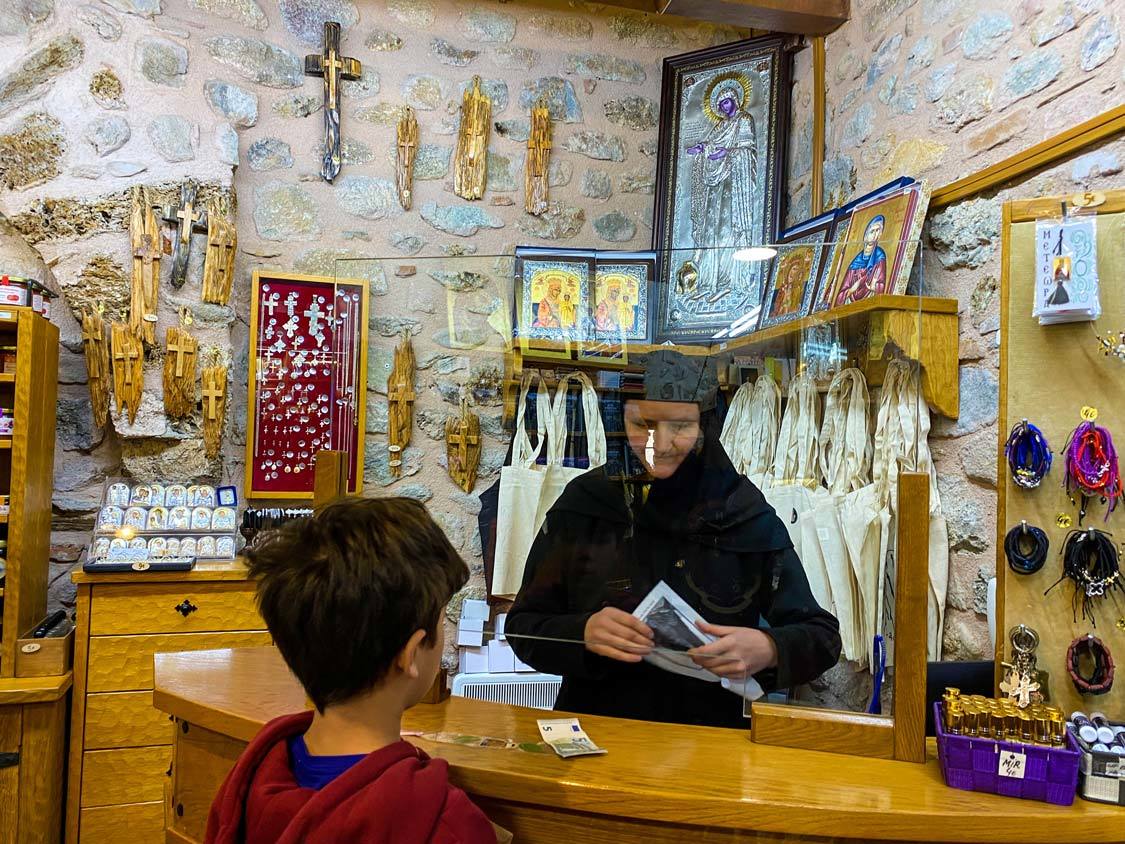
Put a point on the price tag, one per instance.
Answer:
(1012, 764)
(1063, 520)
(1089, 413)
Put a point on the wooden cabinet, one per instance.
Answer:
(33, 687)
(121, 747)
(32, 754)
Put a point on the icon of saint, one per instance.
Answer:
(548, 312)
(867, 273)
(723, 188)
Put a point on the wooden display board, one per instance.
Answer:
(308, 380)
(1047, 375)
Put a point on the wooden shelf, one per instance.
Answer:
(846, 313)
(5, 443)
(7, 378)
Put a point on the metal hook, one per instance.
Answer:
(1023, 524)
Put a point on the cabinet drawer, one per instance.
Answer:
(124, 663)
(160, 608)
(125, 719)
(131, 775)
(138, 823)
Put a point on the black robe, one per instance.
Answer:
(711, 536)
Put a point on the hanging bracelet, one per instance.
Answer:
(1029, 455)
(1100, 679)
(1091, 467)
(1091, 563)
(1026, 548)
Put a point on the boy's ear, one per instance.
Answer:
(407, 661)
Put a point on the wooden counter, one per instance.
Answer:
(659, 783)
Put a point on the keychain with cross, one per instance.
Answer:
(186, 220)
(333, 67)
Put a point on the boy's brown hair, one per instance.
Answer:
(343, 590)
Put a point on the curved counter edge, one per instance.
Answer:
(694, 777)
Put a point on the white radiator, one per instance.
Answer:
(537, 691)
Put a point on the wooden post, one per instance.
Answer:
(330, 476)
(816, 182)
(912, 591)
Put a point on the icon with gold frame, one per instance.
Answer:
(552, 300)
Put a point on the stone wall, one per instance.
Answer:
(98, 96)
(940, 89)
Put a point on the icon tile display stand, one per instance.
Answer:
(33, 685)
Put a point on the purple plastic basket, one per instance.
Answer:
(971, 764)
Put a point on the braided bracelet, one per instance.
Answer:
(1026, 548)
(1029, 455)
(1100, 680)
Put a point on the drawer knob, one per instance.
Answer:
(185, 608)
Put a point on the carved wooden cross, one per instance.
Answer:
(401, 394)
(180, 345)
(211, 398)
(463, 439)
(333, 67)
(186, 219)
(126, 356)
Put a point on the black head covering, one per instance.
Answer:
(706, 499)
(674, 376)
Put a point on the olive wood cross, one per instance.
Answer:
(333, 67)
(186, 220)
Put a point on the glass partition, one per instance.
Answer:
(684, 497)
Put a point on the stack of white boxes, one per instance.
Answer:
(484, 652)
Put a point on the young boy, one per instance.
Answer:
(353, 597)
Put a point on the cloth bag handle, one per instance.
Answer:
(595, 429)
(797, 449)
(845, 446)
(522, 452)
(902, 433)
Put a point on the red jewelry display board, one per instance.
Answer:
(308, 387)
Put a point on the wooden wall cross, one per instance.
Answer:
(179, 373)
(97, 365)
(186, 220)
(400, 397)
(218, 266)
(406, 149)
(470, 161)
(128, 368)
(333, 67)
(537, 169)
(462, 447)
(144, 236)
(214, 380)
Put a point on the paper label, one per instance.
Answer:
(1063, 520)
(1089, 413)
(1012, 764)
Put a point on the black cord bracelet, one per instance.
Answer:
(1091, 562)
(1026, 548)
(1100, 680)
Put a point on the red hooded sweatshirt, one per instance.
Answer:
(396, 795)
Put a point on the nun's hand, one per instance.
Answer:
(616, 634)
(736, 652)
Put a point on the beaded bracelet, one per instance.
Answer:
(1029, 455)
(1100, 680)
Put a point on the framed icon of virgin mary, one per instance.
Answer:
(724, 122)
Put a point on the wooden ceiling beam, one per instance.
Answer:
(802, 17)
